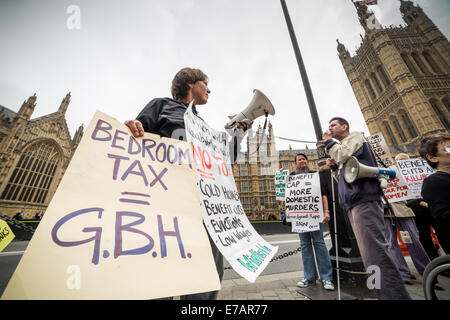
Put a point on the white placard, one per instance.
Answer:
(379, 146)
(304, 202)
(124, 223)
(397, 189)
(414, 171)
(228, 226)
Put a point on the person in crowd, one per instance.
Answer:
(308, 240)
(399, 217)
(436, 187)
(424, 222)
(423, 219)
(362, 201)
(165, 117)
(19, 215)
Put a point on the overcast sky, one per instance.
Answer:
(127, 52)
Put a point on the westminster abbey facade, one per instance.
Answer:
(34, 154)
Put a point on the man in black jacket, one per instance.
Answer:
(165, 117)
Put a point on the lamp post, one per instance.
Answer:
(301, 67)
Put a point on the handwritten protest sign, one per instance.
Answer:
(246, 251)
(124, 223)
(6, 235)
(414, 171)
(397, 189)
(304, 202)
(280, 184)
(380, 147)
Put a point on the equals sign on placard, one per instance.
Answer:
(308, 183)
(134, 200)
(205, 174)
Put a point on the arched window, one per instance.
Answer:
(408, 124)
(439, 113)
(399, 129)
(383, 76)
(370, 89)
(429, 59)
(420, 63)
(377, 83)
(33, 175)
(408, 63)
(390, 134)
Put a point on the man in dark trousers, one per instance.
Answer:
(362, 201)
(165, 117)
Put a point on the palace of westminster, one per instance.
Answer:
(399, 75)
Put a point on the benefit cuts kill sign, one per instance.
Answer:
(124, 223)
(414, 171)
(304, 208)
(227, 224)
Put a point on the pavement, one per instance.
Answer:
(283, 286)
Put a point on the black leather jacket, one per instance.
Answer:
(165, 117)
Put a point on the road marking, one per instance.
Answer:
(284, 241)
(11, 253)
(326, 237)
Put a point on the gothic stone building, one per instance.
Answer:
(34, 154)
(254, 174)
(401, 78)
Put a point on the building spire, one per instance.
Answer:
(342, 50)
(27, 108)
(64, 104)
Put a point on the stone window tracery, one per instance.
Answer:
(33, 174)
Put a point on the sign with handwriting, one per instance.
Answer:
(228, 226)
(304, 208)
(124, 223)
(414, 171)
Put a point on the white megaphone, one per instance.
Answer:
(259, 106)
(354, 170)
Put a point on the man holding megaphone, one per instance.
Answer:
(361, 199)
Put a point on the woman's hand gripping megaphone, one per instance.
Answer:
(244, 125)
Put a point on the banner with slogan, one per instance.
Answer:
(227, 224)
(397, 189)
(280, 184)
(414, 171)
(304, 208)
(6, 235)
(124, 223)
(381, 149)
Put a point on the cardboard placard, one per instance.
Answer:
(124, 223)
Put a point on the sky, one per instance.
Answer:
(122, 54)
